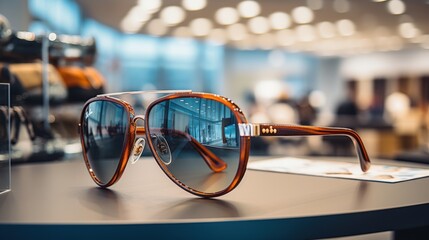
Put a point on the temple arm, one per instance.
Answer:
(250, 129)
(214, 162)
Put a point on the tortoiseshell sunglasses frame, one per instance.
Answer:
(247, 130)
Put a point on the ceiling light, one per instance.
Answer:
(157, 27)
(172, 15)
(248, 9)
(218, 35)
(183, 32)
(407, 30)
(306, 33)
(302, 15)
(237, 32)
(151, 6)
(259, 25)
(326, 29)
(341, 6)
(134, 20)
(194, 5)
(226, 16)
(128, 26)
(200, 27)
(396, 7)
(279, 20)
(285, 37)
(315, 4)
(346, 27)
(378, 0)
(138, 14)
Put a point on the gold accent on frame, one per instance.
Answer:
(269, 129)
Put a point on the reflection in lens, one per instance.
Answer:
(201, 134)
(104, 126)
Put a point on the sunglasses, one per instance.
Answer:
(201, 141)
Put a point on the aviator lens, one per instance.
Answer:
(202, 140)
(104, 128)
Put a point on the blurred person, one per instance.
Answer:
(376, 109)
(346, 115)
(306, 112)
(347, 112)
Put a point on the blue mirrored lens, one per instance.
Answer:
(197, 140)
(104, 128)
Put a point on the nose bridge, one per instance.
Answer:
(140, 142)
(140, 130)
(138, 117)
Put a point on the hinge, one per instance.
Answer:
(249, 129)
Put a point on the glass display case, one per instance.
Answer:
(4, 139)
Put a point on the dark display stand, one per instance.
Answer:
(60, 201)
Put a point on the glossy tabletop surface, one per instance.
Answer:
(146, 202)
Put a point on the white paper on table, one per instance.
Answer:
(379, 173)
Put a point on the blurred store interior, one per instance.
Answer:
(357, 64)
